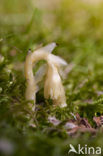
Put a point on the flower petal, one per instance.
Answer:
(40, 73)
(57, 60)
(48, 48)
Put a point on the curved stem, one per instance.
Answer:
(31, 59)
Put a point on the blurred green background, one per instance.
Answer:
(77, 27)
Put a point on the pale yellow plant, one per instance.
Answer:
(53, 87)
